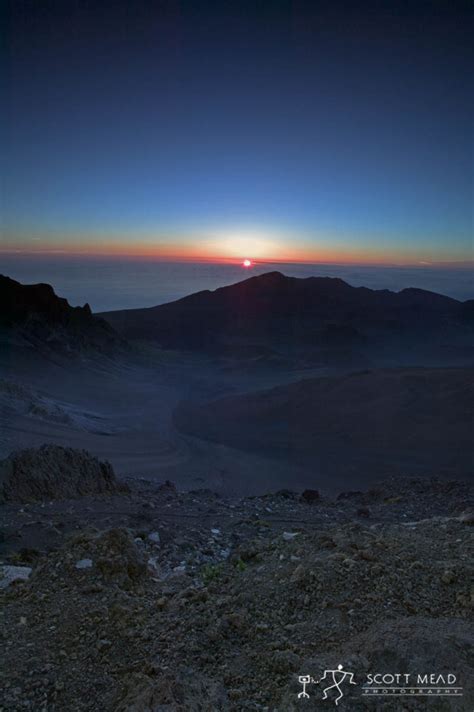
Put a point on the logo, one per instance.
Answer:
(383, 685)
(341, 674)
(338, 677)
(304, 680)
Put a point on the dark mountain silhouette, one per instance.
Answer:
(33, 315)
(319, 316)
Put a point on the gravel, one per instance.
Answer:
(223, 611)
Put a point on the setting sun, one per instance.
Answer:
(247, 263)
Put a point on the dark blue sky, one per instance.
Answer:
(269, 128)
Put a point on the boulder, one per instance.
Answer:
(53, 472)
(9, 574)
(310, 496)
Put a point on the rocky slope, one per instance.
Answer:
(161, 600)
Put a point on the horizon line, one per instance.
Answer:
(89, 254)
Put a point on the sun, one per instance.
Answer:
(247, 263)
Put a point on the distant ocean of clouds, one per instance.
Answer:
(108, 284)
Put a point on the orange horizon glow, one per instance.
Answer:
(228, 250)
(166, 256)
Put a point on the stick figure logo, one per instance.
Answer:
(338, 677)
(304, 680)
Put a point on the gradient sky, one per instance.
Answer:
(274, 129)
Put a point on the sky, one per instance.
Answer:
(270, 129)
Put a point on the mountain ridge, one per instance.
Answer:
(34, 315)
(289, 312)
(275, 278)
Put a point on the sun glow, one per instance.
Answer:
(247, 263)
(245, 245)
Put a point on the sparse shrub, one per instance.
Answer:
(210, 572)
(240, 565)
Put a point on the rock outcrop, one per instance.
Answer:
(34, 315)
(53, 472)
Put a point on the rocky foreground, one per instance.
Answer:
(145, 599)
